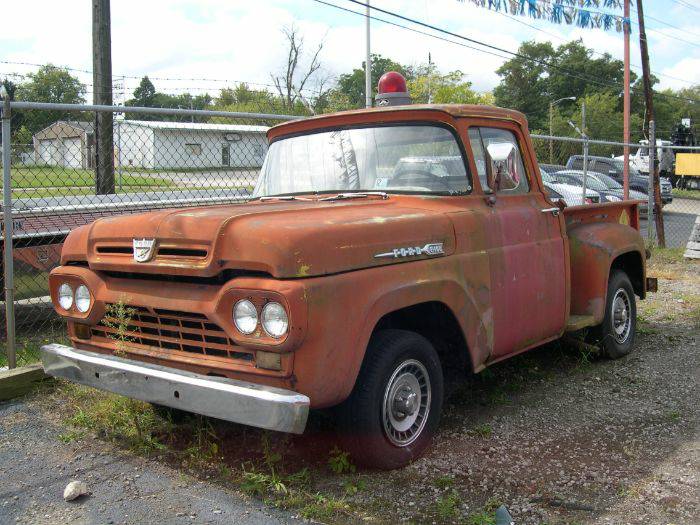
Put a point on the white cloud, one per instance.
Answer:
(220, 39)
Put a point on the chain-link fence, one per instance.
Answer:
(61, 178)
(562, 160)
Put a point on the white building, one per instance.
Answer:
(178, 145)
(64, 143)
(155, 145)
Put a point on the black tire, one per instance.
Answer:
(371, 433)
(616, 334)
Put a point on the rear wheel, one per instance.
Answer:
(392, 414)
(617, 332)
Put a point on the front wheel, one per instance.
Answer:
(394, 410)
(616, 333)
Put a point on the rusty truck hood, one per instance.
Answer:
(284, 239)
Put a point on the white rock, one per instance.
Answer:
(74, 489)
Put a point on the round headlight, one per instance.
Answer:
(65, 296)
(82, 298)
(245, 316)
(274, 319)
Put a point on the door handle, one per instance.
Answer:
(553, 211)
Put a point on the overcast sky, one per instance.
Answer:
(240, 40)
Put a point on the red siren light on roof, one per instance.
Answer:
(392, 90)
(392, 82)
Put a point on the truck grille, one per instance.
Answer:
(168, 330)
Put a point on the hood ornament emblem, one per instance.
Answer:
(144, 249)
(434, 248)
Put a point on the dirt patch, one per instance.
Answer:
(556, 435)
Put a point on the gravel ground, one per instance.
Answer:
(557, 435)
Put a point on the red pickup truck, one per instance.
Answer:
(380, 248)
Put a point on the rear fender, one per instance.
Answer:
(593, 249)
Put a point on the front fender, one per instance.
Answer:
(344, 310)
(593, 248)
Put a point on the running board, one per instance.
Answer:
(577, 322)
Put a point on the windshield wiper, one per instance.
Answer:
(281, 198)
(358, 195)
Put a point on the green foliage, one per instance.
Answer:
(524, 82)
(114, 417)
(118, 316)
(144, 95)
(444, 482)
(450, 88)
(447, 505)
(542, 74)
(339, 461)
(351, 86)
(483, 430)
(48, 84)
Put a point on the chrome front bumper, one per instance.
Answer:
(229, 399)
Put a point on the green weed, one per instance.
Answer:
(339, 461)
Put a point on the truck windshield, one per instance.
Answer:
(401, 158)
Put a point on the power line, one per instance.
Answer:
(489, 46)
(159, 79)
(671, 26)
(687, 5)
(519, 21)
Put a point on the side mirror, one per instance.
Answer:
(503, 161)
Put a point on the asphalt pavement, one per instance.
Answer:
(36, 465)
(679, 217)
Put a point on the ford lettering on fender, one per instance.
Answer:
(381, 247)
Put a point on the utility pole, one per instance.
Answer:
(585, 151)
(368, 61)
(649, 116)
(102, 95)
(430, 74)
(626, 105)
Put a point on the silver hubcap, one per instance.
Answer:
(406, 403)
(621, 315)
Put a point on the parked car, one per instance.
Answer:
(552, 168)
(572, 195)
(325, 291)
(614, 168)
(609, 189)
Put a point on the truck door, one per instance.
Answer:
(525, 243)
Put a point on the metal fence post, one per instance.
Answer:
(650, 197)
(585, 150)
(7, 237)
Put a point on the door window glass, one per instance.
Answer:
(498, 160)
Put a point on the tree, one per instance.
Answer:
(450, 88)
(524, 83)
(351, 86)
(144, 95)
(50, 84)
(541, 74)
(296, 77)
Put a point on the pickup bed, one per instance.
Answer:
(345, 282)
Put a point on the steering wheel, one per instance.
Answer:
(424, 174)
